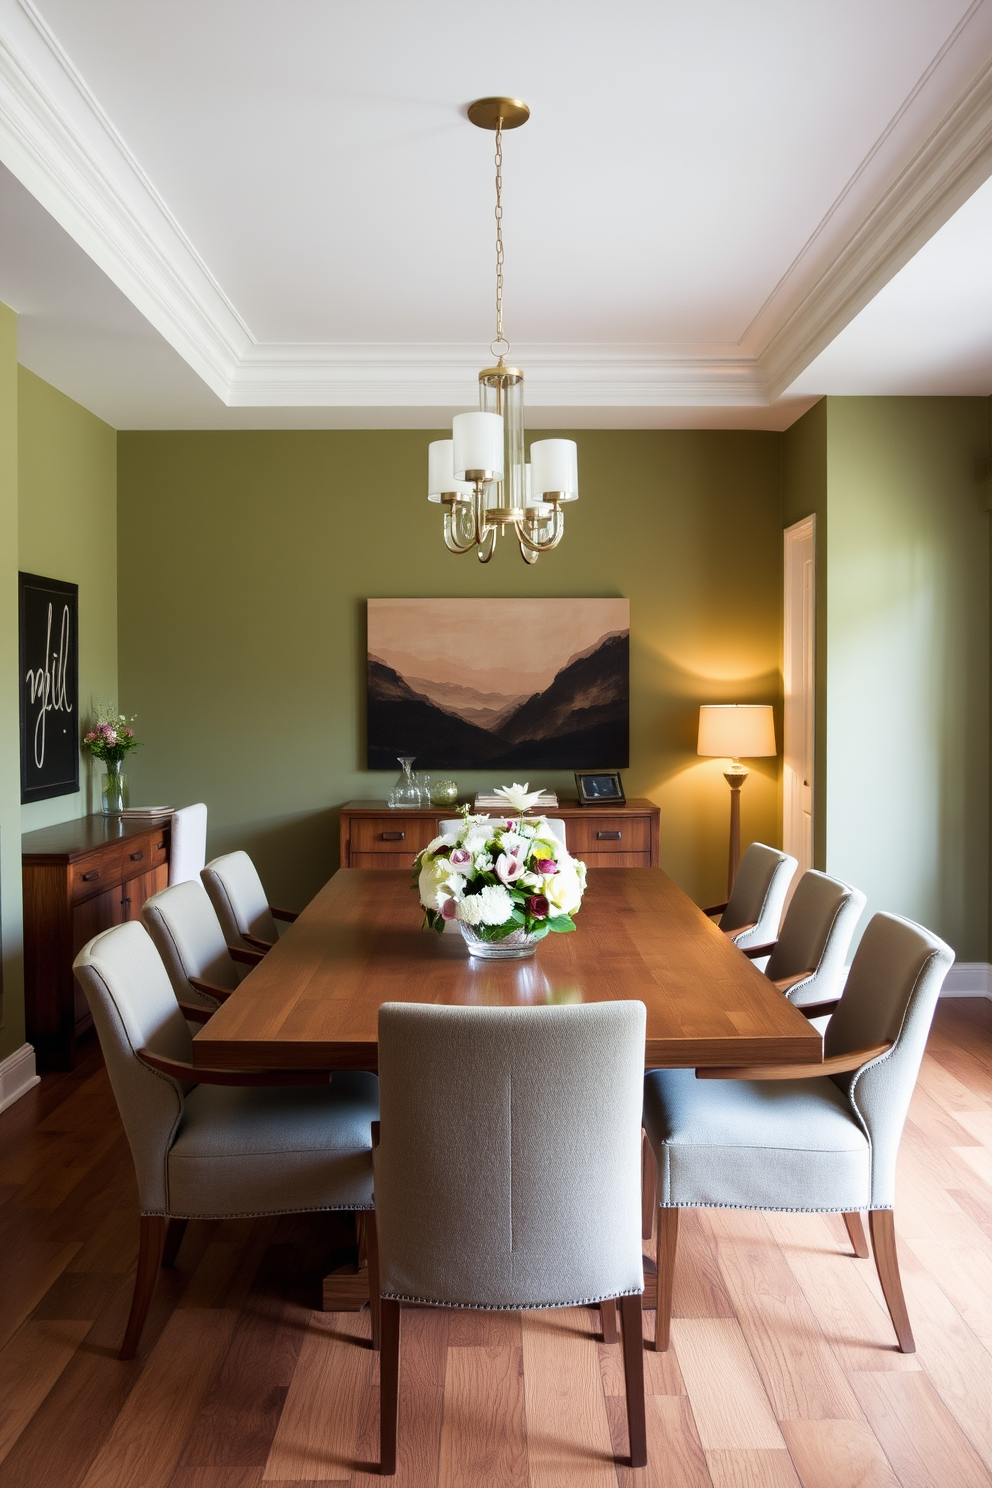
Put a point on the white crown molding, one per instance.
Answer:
(57, 140)
(17, 1075)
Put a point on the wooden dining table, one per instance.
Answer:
(313, 1001)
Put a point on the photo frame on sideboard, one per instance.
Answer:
(48, 687)
(599, 788)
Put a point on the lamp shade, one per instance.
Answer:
(478, 444)
(554, 467)
(441, 471)
(736, 730)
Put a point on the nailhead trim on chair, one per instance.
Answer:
(510, 1306)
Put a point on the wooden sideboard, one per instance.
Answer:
(375, 836)
(79, 878)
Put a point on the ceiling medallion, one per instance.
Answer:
(480, 474)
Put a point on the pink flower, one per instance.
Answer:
(129, 732)
(460, 856)
(538, 906)
(449, 909)
(507, 868)
(546, 865)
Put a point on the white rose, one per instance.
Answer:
(564, 888)
(438, 882)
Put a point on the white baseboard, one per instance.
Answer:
(968, 979)
(17, 1075)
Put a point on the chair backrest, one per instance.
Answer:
(760, 887)
(891, 992)
(187, 935)
(134, 1007)
(815, 936)
(556, 824)
(238, 898)
(508, 1171)
(188, 844)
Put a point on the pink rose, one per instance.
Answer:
(538, 906)
(460, 857)
(449, 909)
(507, 868)
(546, 865)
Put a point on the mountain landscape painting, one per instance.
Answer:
(507, 684)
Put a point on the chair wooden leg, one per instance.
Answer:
(633, 1376)
(608, 1320)
(649, 1187)
(668, 1239)
(372, 1255)
(856, 1232)
(881, 1224)
(389, 1382)
(151, 1243)
(173, 1239)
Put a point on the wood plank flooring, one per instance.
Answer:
(782, 1370)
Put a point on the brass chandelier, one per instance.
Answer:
(480, 475)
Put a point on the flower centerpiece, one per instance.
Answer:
(111, 739)
(507, 884)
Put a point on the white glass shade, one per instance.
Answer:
(478, 443)
(736, 730)
(441, 471)
(554, 467)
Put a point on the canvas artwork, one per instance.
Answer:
(507, 684)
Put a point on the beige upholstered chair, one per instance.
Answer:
(187, 935)
(753, 912)
(556, 824)
(203, 1148)
(188, 843)
(807, 960)
(810, 1138)
(507, 1175)
(236, 893)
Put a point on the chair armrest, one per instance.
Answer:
(257, 942)
(784, 983)
(192, 1074)
(242, 953)
(715, 909)
(816, 1009)
(738, 930)
(837, 1064)
(209, 990)
(753, 953)
(196, 1014)
(284, 914)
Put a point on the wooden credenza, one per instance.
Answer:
(79, 878)
(373, 836)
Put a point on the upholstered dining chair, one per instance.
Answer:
(202, 968)
(752, 914)
(188, 843)
(813, 1138)
(806, 962)
(213, 1144)
(500, 1187)
(236, 893)
(556, 824)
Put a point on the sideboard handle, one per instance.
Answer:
(89, 877)
(608, 836)
(393, 836)
(137, 856)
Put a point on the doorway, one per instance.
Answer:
(798, 667)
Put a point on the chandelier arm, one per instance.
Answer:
(450, 538)
(484, 554)
(526, 554)
(535, 544)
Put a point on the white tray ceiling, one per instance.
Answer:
(285, 199)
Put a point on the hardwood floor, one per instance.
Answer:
(782, 1370)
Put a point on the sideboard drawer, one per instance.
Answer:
(158, 850)
(391, 834)
(598, 833)
(99, 870)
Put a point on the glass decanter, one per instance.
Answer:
(406, 791)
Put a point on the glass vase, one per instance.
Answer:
(406, 791)
(514, 947)
(115, 792)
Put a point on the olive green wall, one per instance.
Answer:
(245, 561)
(804, 494)
(67, 483)
(908, 660)
(12, 1017)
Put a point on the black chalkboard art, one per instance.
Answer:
(49, 687)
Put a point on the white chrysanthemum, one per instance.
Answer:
(496, 906)
(526, 830)
(564, 888)
(476, 839)
(484, 862)
(511, 842)
(469, 910)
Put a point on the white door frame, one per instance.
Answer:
(799, 675)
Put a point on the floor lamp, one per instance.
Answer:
(730, 731)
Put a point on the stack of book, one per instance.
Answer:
(487, 801)
(146, 813)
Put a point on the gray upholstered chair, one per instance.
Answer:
(203, 1148)
(499, 1186)
(187, 935)
(752, 914)
(810, 1138)
(807, 960)
(236, 893)
(556, 824)
(187, 843)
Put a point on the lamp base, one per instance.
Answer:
(735, 778)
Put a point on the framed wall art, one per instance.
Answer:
(49, 687)
(502, 684)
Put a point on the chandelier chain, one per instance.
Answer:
(499, 340)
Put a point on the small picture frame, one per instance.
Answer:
(599, 788)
